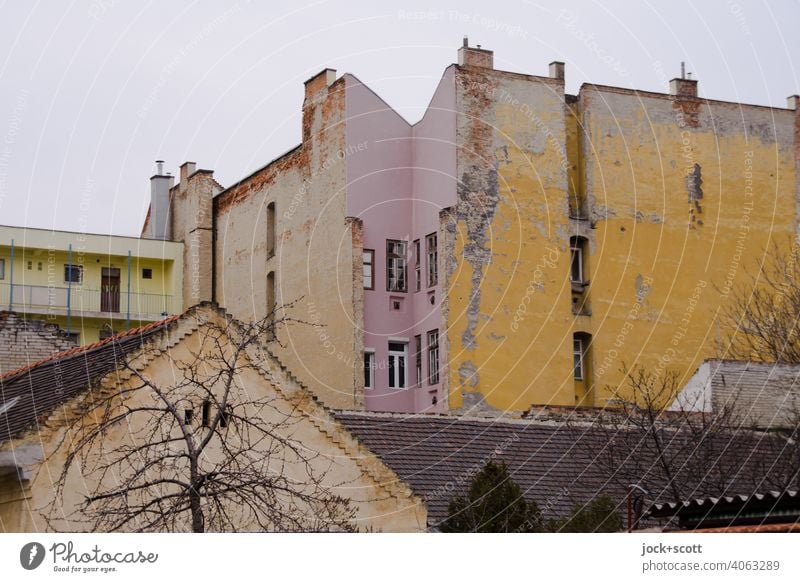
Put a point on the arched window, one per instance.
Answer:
(582, 368)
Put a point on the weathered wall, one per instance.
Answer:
(509, 314)
(23, 342)
(684, 194)
(381, 501)
(313, 259)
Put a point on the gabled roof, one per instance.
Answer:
(30, 394)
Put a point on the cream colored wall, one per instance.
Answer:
(382, 503)
(313, 259)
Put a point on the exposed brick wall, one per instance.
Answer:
(24, 341)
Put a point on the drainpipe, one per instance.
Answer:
(11, 275)
(69, 289)
(128, 320)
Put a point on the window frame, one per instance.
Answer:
(432, 255)
(578, 356)
(395, 375)
(371, 253)
(433, 358)
(391, 265)
(369, 355)
(418, 359)
(577, 258)
(417, 266)
(79, 270)
(2, 268)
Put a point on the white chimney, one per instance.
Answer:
(159, 204)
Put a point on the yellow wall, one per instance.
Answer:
(661, 258)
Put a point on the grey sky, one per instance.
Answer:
(91, 93)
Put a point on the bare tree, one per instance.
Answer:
(205, 451)
(668, 446)
(763, 313)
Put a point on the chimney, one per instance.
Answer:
(557, 70)
(683, 87)
(475, 57)
(187, 169)
(793, 102)
(320, 81)
(159, 204)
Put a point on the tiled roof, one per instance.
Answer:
(33, 392)
(724, 502)
(551, 461)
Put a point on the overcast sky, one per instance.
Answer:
(91, 93)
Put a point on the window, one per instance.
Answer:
(577, 357)
(433, 262)
(577, 249)
(147, 273)
(369, 269)
(270, 292)
(73, 274)
(2, 268)
(270, 229)
(397, 364)
(224, 417)
(417, 265)
(188, 414)
(30, 265)
(418, 359)
(206, 413)
(396, 271)
(39, 266)
(369, 369)
(433, 357)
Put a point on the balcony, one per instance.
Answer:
(80, 301)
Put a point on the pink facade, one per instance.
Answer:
(399, 178)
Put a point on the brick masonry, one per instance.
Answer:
(24, 341)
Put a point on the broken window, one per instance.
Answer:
(433, 259)
(433, 357)
(397, 364)
(369, 269)
(396, 270)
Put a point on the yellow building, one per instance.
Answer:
(90, 285)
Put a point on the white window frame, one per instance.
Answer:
(398, 360)
(396, 266)
(576, 254)
(433, 357)
(369, 355)
(418, 359)
(578, 355)
(432, 254)
(71, 267)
